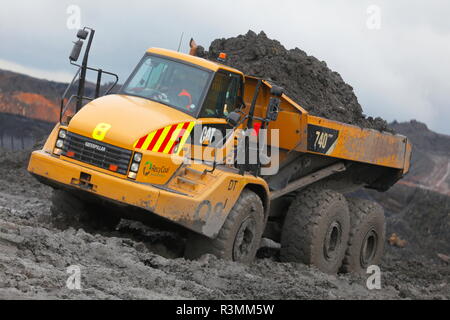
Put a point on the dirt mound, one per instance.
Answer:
(423, 138)
(307, 80)
(430, 162)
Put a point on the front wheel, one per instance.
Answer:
(240, 236)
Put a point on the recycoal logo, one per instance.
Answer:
(153, 170)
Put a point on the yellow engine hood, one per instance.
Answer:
(126, 118)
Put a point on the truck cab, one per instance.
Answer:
(165, 100)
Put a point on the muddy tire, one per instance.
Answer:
(69, 211)
(316, 230)
(240, 236)
(367, 234)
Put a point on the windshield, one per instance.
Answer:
(173, 83)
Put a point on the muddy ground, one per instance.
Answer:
(140, 262)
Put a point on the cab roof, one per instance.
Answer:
(213, 66)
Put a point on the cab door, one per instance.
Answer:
(212, 137)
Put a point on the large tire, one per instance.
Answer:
(367, 235)
(316, 230)
(69, 211)
(240, 236)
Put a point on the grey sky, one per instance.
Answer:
(400, 71)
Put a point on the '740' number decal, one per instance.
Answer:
(321, 139)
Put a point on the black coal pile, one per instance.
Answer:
(306, 80)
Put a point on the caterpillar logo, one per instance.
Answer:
(94, 146)
(207, 136)
(213, 134)
(168, 140)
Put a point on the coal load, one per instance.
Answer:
(306, 80)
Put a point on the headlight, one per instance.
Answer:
(137, 157)
(134, 167)
(62, 134)
(59, 143)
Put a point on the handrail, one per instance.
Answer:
(64, 106)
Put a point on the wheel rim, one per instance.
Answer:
(244, 239)
(333, 239)
(369, 247)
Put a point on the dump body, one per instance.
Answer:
(380, 158)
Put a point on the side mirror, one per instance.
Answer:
(274, 104)
(82, 34)
(76, 50)
(233, 118)
(273, 109)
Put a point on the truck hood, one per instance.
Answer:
(128, 119)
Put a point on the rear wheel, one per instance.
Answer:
(240, 236)
(316, 229)
(367, 234)
(69, 211)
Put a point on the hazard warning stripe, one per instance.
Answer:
(155, 139)
(185, 137)
(179, 136)
(166, 139)
(140, 142)
(173, 138)
(148, 140)
(161, 139)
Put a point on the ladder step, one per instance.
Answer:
(187, 181)
(191, 170)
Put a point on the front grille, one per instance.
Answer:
(96, 153)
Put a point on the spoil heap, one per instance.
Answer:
(307, 80)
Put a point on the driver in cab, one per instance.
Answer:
(184, 91)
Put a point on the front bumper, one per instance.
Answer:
(102, 184)
(182, 209)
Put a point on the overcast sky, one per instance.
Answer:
(395, 54)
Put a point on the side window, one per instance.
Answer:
(140, 78)
(223, 96)
(155, 76)
(149, 75)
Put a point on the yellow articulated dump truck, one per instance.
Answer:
(226, 158)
